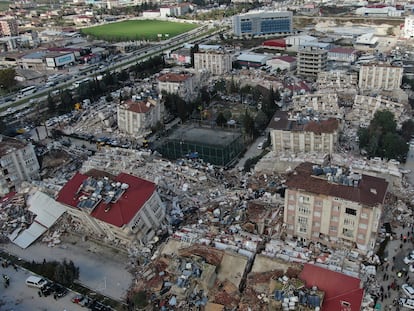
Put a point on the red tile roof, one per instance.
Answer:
(174, 77)
(123, 210)
(370, 191)
(287, 58)
(342, 50)
(324, 126)
(138, 107)
(338, 287)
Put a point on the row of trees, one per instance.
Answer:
(64, 272)
(381, 138)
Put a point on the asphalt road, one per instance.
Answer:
(101, 269)
(19, 297)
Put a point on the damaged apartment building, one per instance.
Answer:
(334, 205)
(121, 208)
(291, 133)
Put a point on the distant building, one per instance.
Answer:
(321, 104)
(18, 163)
(294, 42)
(334, 206)
(409, 27)
(182, 84)
(291, 134)
(121, 208)
(379, 10)
(181, 56)
(252, 60)
(260, 23)
(380, 76)
(342, 55)
(215, 62)
(279, 44)
(288, 63)
(311, 60)
(337, 80)
(137, 117)
(8, 27)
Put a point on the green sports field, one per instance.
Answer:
(138, 30)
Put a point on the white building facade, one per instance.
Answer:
(215, 62)
(380, 77)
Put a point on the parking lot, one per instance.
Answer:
(19, 297)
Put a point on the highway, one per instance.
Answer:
(122, 63)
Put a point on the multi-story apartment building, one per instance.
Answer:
(8, 27)
(311, 60)
(182, 84)
(121, 208)
(301, 134)
(322, 104)
(333, 206)
(380, 76)
(18, 163)
(260, 23)
(364, 108)
(409, 27)
(215, 62)
(137, 117)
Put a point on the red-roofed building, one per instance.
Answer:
(290, 135)
(282, 63)
(279, 44)
(137, 117)
(340, 54)
(334, 206)
(181, 84)
(123, 207)
(342, 292)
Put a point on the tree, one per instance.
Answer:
(51, 105)
(221, 120)
(7, 78)
(66, 101)
(194, 49)
(261, 120)
(407, 129)
(248, 124)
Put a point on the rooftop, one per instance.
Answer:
(137, 107)
(334, 182)
(8, 144)
(207, 136)
(174, 77)
(340, 290)
(114, 200)
(282, 121)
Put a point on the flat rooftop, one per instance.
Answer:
(207, 136)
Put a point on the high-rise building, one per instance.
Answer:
(18, 163)
(181, 84)
(216, 62)
(380, 76)
(311, 60)
(260, 23)
(8, 27)
(333, 206)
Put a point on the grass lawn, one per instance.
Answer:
(137, 30)
(4, 5)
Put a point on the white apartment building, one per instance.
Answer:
(18, 163)
(137, 117)
(215, 62)
(182, 84)
(409, 27)
(290, 134)
(123, 208)
(380, 76)
(334, 206)
(311, 60)
(8, 27)
(364, 108)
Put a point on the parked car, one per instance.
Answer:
(81, 300)
(409, 259)
(406, 302)
(59, 291)
(408, 290)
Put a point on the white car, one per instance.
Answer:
(408, 303)
(409, 259)
(411, 268)
(408, 290)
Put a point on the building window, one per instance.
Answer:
(361, 237)
(291, 207)
(363, 226)
(335, 208)
(364, 215)
(317, 214)
(351, 211)
(348, 232)
(303, 220)
(334, 218)
(304, 210)
(332, 228)
(349, 222)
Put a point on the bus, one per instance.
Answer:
(27, 91)
(76, 84)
